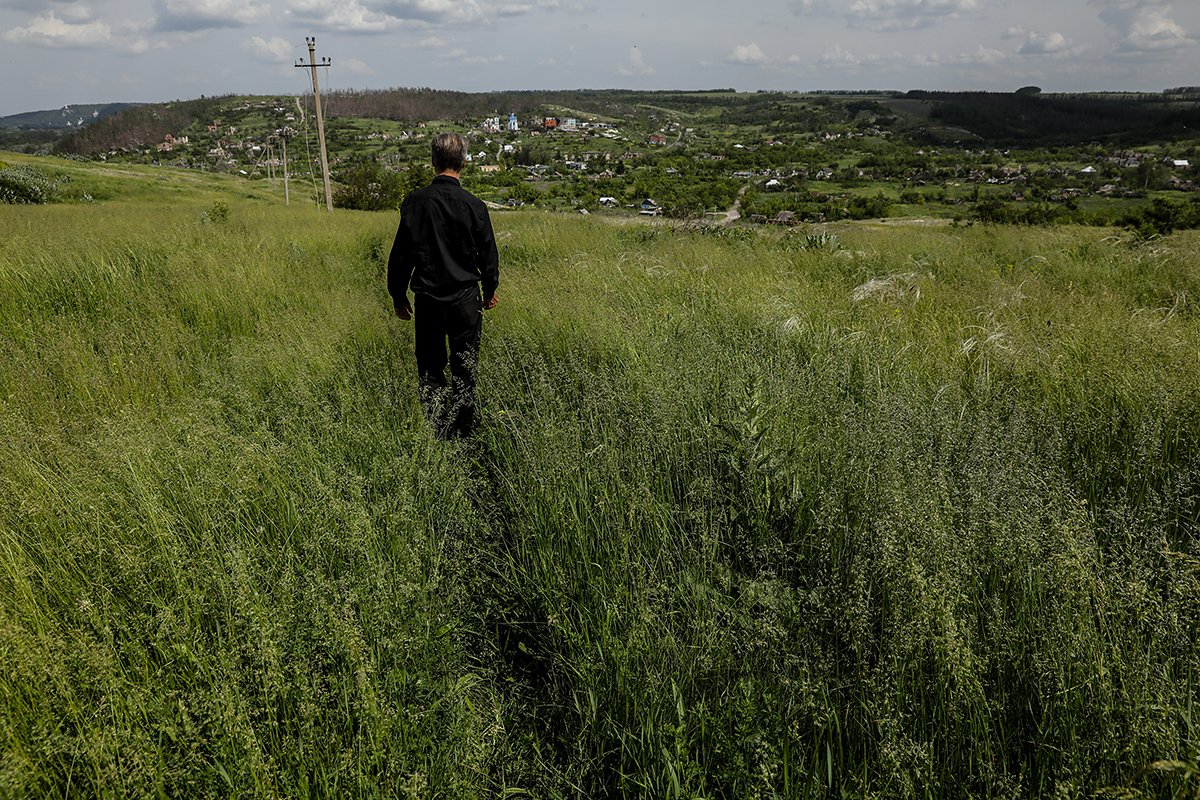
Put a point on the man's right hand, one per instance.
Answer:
(403, 312)
(491, 302)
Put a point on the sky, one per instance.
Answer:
(60, 52)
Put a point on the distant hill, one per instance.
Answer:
(1028, 118)
(67, 118)
(214, 125)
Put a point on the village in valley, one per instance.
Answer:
(766, 157)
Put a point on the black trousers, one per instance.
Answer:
(457, 322)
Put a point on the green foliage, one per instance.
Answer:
(368, 186)
(817, 206)
(999, 212)
(22, 184)
(1162, 217)
(217, 214)
(523, 193)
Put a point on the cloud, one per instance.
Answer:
(749, 54)
(433, 43)
(1042, 44)
(635, 66)
(355, 66)
(891, 15)
(1143, 26)
(514, 9)
(269, 51)
(379, 16)
(198, 15)
(67, 7)
(434, 12)
(341, 16)
(979, 57)
(141, 45)
(837, 57)
(484, 59)
(48, 30)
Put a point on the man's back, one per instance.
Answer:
(444, 243)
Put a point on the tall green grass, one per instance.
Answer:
(904, 513)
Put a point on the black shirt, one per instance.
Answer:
(444, 244)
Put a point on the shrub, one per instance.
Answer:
(367, 186)
(1000, 213)
(1162, 217)
(218, 214)
(23, 185)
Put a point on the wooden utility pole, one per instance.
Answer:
(286, 200)
(281, 136)
(312, 64)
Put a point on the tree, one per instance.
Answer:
(367, 186)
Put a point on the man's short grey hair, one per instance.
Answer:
(449, 152)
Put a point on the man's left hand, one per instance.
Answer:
(403, 311)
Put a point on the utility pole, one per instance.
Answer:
(312, 64)
(286, 200)
(282, 135)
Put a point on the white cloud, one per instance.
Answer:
(76, 12)
(1143, 26)
(141, 45)
(979, 57)
(355, 66)
(432, 42)
(750, 54)
(197, 15)
(48, 30)
(837, 57)
(269, 51)
(430, 11)
(484, 59)
(342, 16)
(67, 7)
(1045, 44)
(377, 16)
(887, 15)
(635, 66)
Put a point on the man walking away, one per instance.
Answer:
(445, 249)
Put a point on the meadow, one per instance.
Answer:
(867, 510)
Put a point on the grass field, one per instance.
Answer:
(909, 512)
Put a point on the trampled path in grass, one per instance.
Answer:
(886, 511)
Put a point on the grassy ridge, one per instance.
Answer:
(749, 514)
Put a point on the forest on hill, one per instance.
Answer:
(1032, 118)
